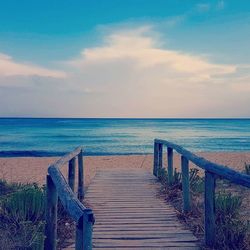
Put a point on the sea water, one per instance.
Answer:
(56, 136)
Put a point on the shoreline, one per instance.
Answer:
(34, 169)
(41, 154)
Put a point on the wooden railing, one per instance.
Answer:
(212, 170)
(58, 187)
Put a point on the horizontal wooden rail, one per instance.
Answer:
(58, 187)
(212, 171)
(220, 170)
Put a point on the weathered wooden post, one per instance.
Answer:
(185, 184)
(170, 165)
(51, 215)
(80, 177)
(160, 147)
(71, 173)
(84, 230)
(156, 158)
(210, 208)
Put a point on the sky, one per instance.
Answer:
(133, 58)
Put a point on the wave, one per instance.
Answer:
(29, 153)
(34, 153)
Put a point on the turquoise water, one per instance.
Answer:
(48, 137)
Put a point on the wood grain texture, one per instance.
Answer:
(129, 214)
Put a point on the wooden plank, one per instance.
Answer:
(142, 232)
(142, 243)
(147, 248)
(165, 237)
(127, 227)
(130, 215)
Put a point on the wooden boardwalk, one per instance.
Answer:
(129, 215)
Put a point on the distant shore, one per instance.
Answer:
(34, 169)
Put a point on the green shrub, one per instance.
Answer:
(163, 176)
(196, 182)
(227, 205)
(26, 204)
(6, 188)
(231, 232)
(176, 179)
(22, 217)
(24, 235)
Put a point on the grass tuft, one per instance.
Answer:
(232, 232)
(247, 169)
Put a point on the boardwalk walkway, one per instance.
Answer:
(130, 216)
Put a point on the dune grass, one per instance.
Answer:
(22, 217)
(232, 229)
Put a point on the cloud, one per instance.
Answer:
(207, 7)
(203, 7)
(9, 67)
(142, 50)
(220, 5)
(133, 74)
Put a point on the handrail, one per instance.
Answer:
(212, 171)
(57, 187)
(218, 169)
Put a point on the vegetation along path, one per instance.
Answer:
(129, 215)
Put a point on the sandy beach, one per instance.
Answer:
(33, 169)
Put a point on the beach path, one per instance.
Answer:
(130, 214)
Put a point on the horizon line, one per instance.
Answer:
(135, 118)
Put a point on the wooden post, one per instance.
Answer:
(160, 146)
(156, 158)
(84, 230)
(71, 173)
(185, 184)
(80, 177)
(170, 165)
(209, 208)
(51, 216)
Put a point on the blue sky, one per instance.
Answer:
(107, 58)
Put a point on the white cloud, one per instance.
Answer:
(220, 5)
(143, 52)
(9, 67)
(131, 74)
(203, 7)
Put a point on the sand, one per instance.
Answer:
(33, 169)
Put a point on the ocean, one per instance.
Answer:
(56, 136)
